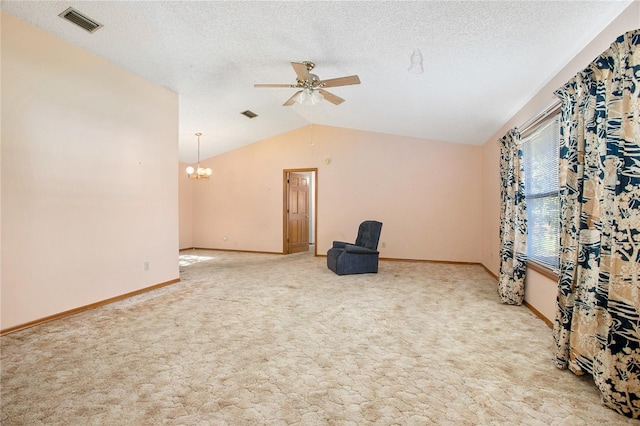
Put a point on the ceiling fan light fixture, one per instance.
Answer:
(309, 97)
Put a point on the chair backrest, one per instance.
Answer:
(369, 234)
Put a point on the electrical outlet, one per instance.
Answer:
(146, 266)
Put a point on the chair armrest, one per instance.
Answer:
(350, 248)
(339, 244)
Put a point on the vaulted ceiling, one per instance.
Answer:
(481, 60)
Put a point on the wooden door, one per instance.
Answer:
(298, 213)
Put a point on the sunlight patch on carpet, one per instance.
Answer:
(190, 259)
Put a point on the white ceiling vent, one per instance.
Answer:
(80, 20)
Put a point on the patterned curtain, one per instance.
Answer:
(597, 324)
(513, 220)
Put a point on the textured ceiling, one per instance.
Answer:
(483, 60)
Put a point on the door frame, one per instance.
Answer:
(285, 205)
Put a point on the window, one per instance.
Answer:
(540, 155)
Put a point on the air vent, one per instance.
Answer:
(249, 114)
(80, 20)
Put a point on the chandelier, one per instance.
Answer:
(198, 172)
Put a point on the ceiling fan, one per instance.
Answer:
(311, 87)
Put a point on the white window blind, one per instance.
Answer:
(540, 155)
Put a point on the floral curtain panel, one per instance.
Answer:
(597, 326)
(513, 220)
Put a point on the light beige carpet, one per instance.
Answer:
(281, 340)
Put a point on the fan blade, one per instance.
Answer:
(301, 71)
(340, 81)
(274, 85)
(292, 100)
(336, 100)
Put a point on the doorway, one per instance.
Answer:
(299, 210)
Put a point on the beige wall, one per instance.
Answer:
(426, 193)
(89, 188)
(185, 207)
(540, 291)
